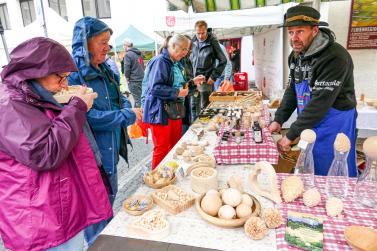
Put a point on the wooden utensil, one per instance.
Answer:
(361, 238)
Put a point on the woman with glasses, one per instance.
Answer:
(50, 185)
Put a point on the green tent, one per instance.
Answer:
(139, 39)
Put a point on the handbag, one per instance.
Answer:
(175, 109)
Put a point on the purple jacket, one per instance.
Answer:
(50, 186)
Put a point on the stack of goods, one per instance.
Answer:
(244, 138)
(152, 224)
(162, 176)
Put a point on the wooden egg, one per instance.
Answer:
(227, 212)
(370, 147)
(308, 135)
(232, 197)
(247, 200)
(211, 204)
(243, 210)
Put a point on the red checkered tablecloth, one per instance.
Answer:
(333, 236)
(247, 151)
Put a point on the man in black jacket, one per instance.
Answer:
(205, 49)
(321, 87)
(133, 70)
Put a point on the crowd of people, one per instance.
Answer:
(58, 172)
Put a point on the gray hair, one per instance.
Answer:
(128, 42)
(178, 39)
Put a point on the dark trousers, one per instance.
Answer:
(195, 103)
(135, 89)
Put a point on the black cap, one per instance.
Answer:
(301, 15)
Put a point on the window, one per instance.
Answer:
(59, 6)
(27, 11)
(96, 8)
(4, 18)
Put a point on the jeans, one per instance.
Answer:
(76, 243)
(135, 89)
(216, 85)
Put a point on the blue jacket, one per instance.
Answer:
(105, 122)
(160, 89)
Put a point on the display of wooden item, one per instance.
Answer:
(263, 181)
(255, 228)
(235, 181)
(342, 143)
(137, 204)
(231, 197)
(334, 207)
(192, 167)
(157, 179)
(152, 224)
(370, 147)
(203, 179)
(361, 238)
(272, 217)
(64, 96)
(222, 96)
(292, 188)
(211, 203)
(225, 213)
(312, 197)
(173, 199)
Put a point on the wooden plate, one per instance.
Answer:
(161, 185)
(361, 238)
(223, 222)
(138, 197)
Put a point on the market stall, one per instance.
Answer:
(257, 210)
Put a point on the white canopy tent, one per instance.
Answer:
(225, 24)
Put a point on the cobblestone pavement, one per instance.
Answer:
(129, 178)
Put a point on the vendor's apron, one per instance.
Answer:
(334, 122)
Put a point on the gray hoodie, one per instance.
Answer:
(133, 65)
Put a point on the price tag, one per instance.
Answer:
(263, 180)
(302, 144)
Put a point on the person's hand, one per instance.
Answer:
(210, 81)
(198, 80)
(226, 82)
(284, 144)
(183, 93)
(138, 112)
(88, 98)
(274, 127)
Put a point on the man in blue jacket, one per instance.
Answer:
(111, 112)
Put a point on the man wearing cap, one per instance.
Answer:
(133, 70)
(321, 88)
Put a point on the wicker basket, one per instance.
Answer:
(256, 210)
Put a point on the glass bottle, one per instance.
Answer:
(257, 133)
(366, 186)
(337, 176)
(305, 164)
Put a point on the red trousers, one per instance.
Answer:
(164, 138)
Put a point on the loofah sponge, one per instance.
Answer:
(308, 135)
(370, 147)
(272, 217)
(342, 143)
(312, 197)
(334, 206)
(255, 228)
(292, 188)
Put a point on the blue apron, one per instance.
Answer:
(334, 122)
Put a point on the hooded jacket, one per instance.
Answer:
(50, 185)
(133, 65)
(328, 67)
(160, 89)
(105, 121)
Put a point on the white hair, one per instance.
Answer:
(178, 39)
(128, 42)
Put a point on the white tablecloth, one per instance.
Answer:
(188, 228)
(366, 121)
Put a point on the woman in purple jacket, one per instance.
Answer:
(50, 186)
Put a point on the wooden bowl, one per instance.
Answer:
(161, 185)
(127, 202)
(361, 238)
(223, 222)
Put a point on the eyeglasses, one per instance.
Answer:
(183, 48)
(61, 78)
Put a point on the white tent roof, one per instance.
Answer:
(226, 24)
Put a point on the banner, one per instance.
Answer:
(362, 32)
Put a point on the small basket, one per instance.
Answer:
(256, 210)
(161, 185)
(137, 212)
